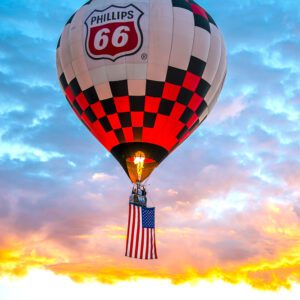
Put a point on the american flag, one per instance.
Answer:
(141, 233)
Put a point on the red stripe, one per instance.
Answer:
(154, 243)
(129, 215)
(137, 234)
(132, 231)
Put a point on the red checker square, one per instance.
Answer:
(159, 128)
(160, 122)
(111, 140)
(195, 102)
(169, 142)
(76, 112)
(149, 135)
(128, 134)
(191, 81)
(99, 133)
(184, 137)
(152, 104)
(192, 121)
(86, 120)
(69, 95)
(177, 111)
(177, 126)
(98, 110)
(199, 10)
(114, 121)
(122, 104)
(171, 91)
(82, 101)
(137, 119)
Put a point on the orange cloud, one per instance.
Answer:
(263, 251)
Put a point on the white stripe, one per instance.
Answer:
(201, 43)
(214, 55)
(152, 243)
(183, 38)
(160, 39)
(149, 245)
(215, 90)
(145, 243)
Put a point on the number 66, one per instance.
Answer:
(119, 37)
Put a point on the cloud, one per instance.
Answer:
(227, 199)
(102, 177)
(227, 111)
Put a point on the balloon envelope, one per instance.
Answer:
(142, 75)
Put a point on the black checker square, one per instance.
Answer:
(90, 114)
(137, 133)
(58, 43)
(183, 131)
(109, 106)
(119, 88)
(203, 88)
(184, 96)
(195, 125)
(211, 20)
(87, 3)
(201, 22)
(149, 120)
(175, 76)
(75, 88)
(154, 88)
(63, 81)
(70, 20)
(165, 107)
(105, 124)
(196, 66)
(186, 115)
(202, 107)
(91, 95)
(125, 119)
(182, 4)
(137, 103)
(77, 107)
(120, 135)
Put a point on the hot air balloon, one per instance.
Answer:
(142, 75)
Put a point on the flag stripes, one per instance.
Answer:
(140, 237)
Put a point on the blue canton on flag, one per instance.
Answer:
(148, 220)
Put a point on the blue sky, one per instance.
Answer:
(239, 172)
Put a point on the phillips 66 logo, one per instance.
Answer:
(114, 32)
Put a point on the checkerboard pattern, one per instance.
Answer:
(171, 107)
(175, 104)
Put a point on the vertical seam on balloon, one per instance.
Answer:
(166, 119)
(206, 65)
(216, 94)
(218, 69)
(82, 39)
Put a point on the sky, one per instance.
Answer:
(227, 200)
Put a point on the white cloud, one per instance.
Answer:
(102, 177)
(225, 111)
(172, 193)
(24, 152)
